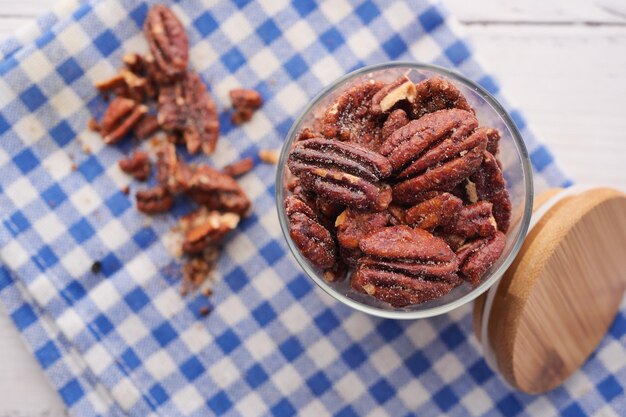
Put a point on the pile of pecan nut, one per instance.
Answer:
(399, 187)
(157, 92)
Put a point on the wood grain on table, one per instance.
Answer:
(562, 62)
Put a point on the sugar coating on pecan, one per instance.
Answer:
(138, 165)
(186, 108)
(403, 180)
(217, 191)
(350, 119)
(435, 94)
(167, 40)
(405, 266)
(342, 172)
(312, 239)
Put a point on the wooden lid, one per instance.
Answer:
(558, 298)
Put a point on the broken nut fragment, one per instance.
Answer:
(269, 156)
(239, 168)
(245, 103)
(119, 118)
(154, 200)
(203, 228)
(137, 165)
(402, 89)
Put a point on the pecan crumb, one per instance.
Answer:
(269, 156)
(204, 311)
(93, 125)
(245, 103)
(125, 190)
(96, 267)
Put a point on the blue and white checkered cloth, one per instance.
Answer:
(123, 342)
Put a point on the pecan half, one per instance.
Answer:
(203, 228)
(491, 186)
(479, 255)
(441, 210)
(217, 191)
(185, 107)
(475, 220)
(137, 165)
(119, 118)
(245, 103)
(354, 226)
(154, 200)
(312, 239)
(400, 90)
(239, 168)
(344, 173)
(350, 119)
(405, 266)
(436, 94)
(167, 40)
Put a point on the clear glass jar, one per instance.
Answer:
(516, 168)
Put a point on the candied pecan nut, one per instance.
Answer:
(245, 103)
(442, 177)
(354, 226)
(167, 40)
(490, 185)
(312, 239)
(395, 121)
(493, 140)
(406, 144)
(146, 126)
(441, 210)
(350, 119)
(479, 255)
(336, 273)
(154, 200)
(404, 266)
(269, 156)
(137, 165)
(185, 107)
(239, 168)
(400, 90)
(344, 173)
(110, 84)
(436, 94)
(203, 228)
(171, 172)
(119, 118)
(307, 133)
(397, 214)
(475, 220)
(217, 191)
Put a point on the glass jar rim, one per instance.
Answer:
(494, 275)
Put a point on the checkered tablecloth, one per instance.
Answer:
(122, 341)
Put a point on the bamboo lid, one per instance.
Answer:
(556, 301)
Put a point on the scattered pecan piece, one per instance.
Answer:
(405, 266)
(217, 191)
(94, 126)
(436, 94)
(491, 186)
(307, 133)
(245, 103)
(167, 40)
(137, 165)
(119, 118)
(395, 121)
(345, 173)
(154, 200)
(197, 268)
(441, 210)
(350, 119)
(269, 156)
(145, 127)
(400, 90)
(479, 255)
(312, 239)
(354, 226)
(239, 168)
(493, 140)
(203, 228)
(185, 107)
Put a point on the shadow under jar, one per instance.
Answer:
(399, 121)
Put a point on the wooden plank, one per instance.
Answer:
(570, 83)
(539, 11)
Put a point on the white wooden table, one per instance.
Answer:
(562, 62)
